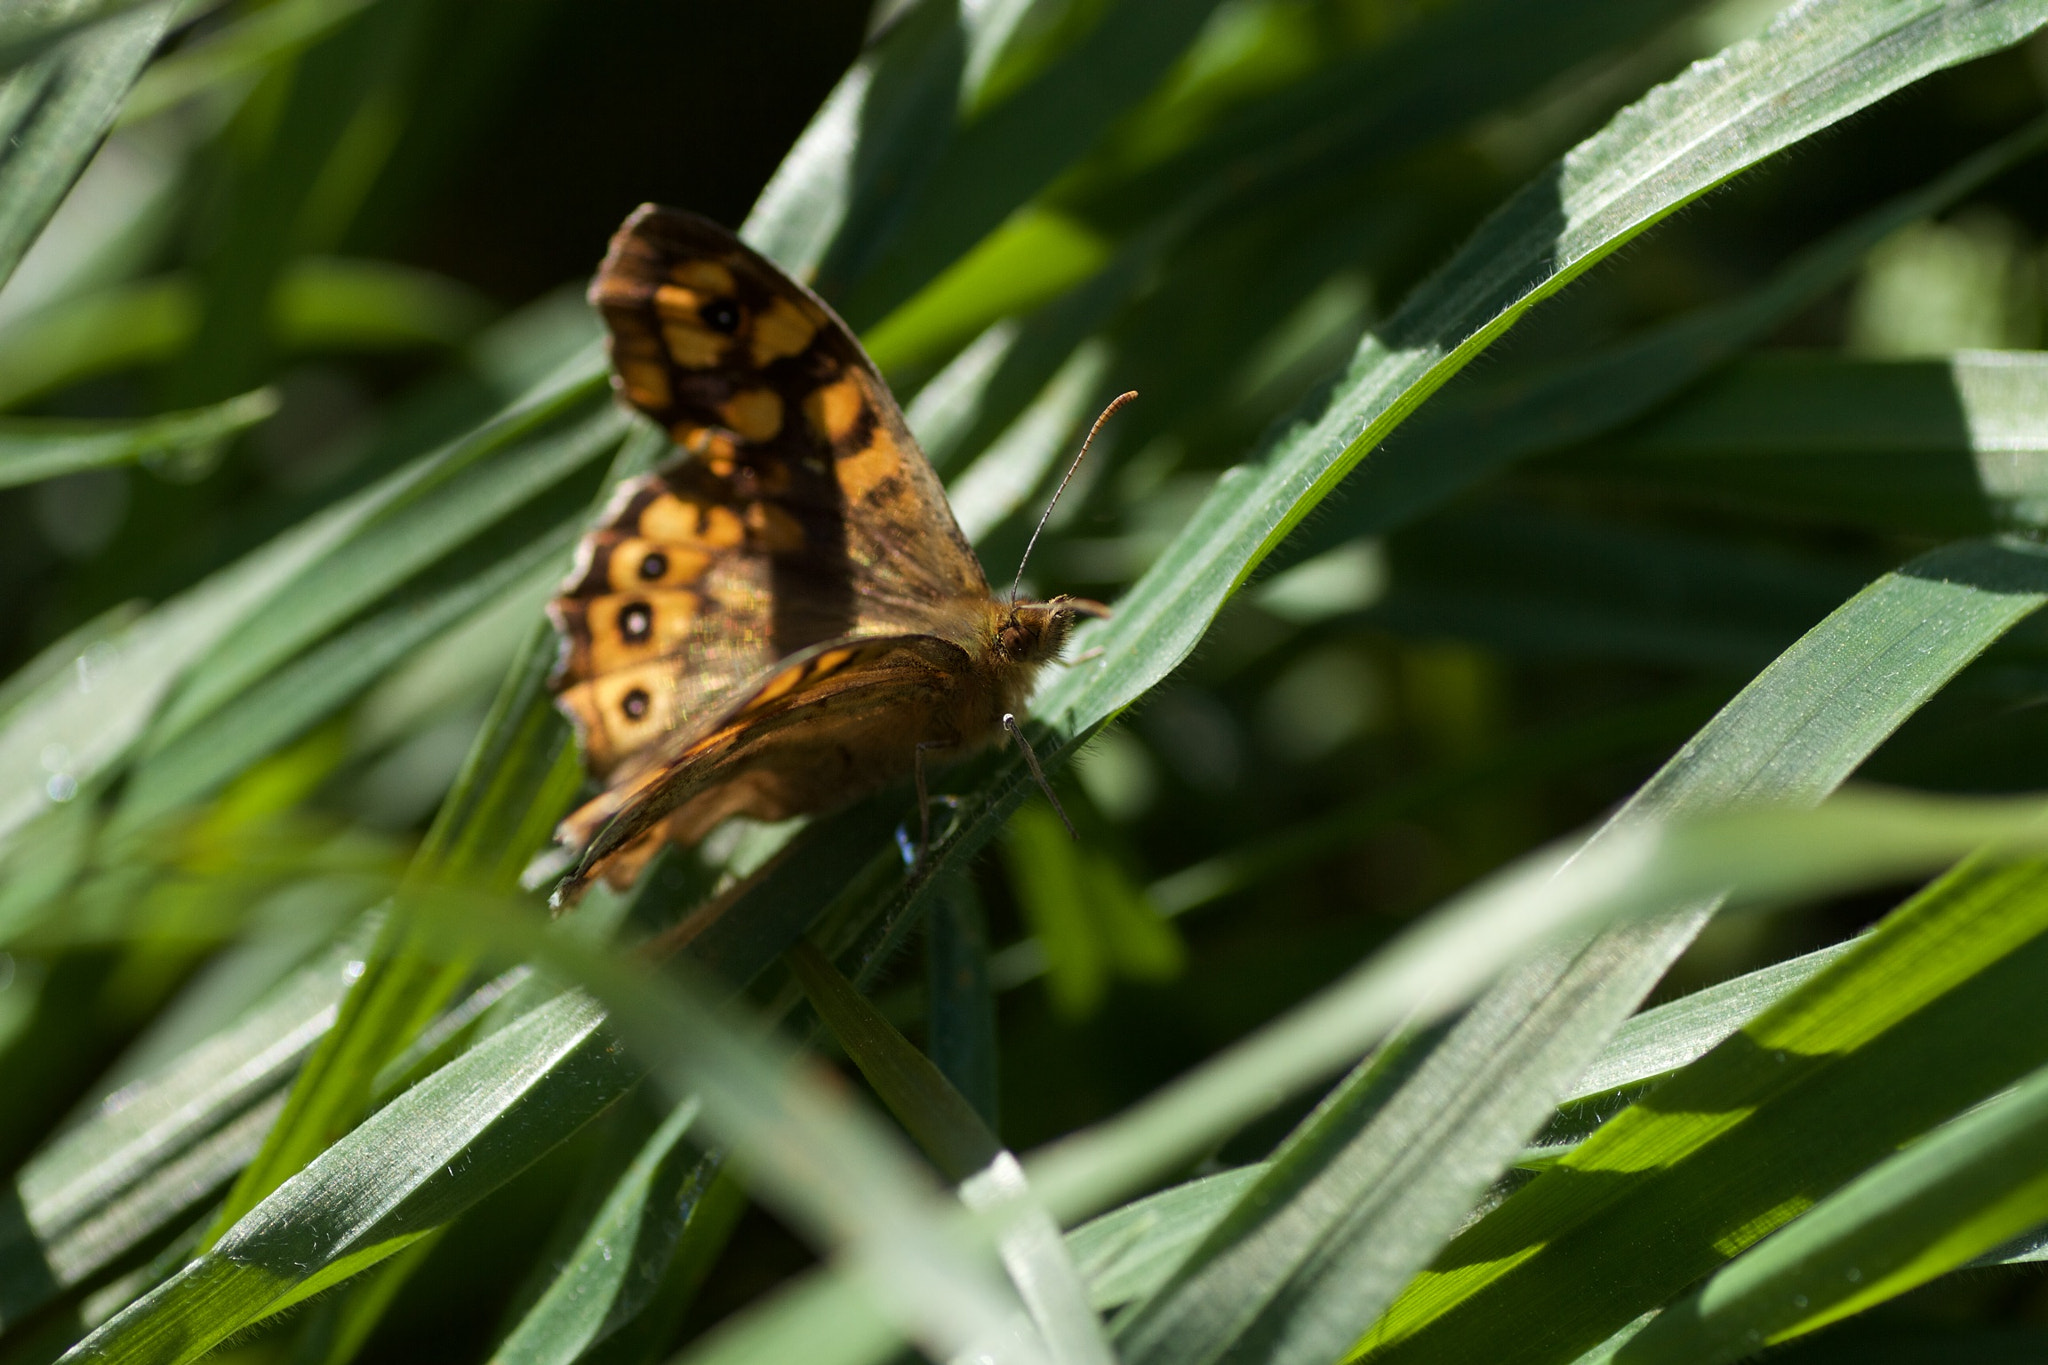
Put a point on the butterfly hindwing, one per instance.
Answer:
(821, 724)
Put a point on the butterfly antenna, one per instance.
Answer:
(1115, 403)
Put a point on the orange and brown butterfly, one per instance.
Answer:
(785, 615)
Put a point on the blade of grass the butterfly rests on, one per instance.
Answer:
(1941, 447)
(1479, 429)
(1967, 1186)
(42, 448)
(1794, 1105)
(1791, 735)
(949, 1131)
(53, 113)
(521, 770)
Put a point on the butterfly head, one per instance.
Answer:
(1033, 632)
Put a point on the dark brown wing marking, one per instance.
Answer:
(741, 362)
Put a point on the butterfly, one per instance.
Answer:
(785, 615)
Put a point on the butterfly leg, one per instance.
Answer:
(1038, 773)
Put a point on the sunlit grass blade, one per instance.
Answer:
(1368, 1201)
(53, 113)
(179, 442)
(669, 1188)
(946, 1127)
(127, 1173)
(1967, 1186)
(1783, 1112)
(1478, 429)
(433, 1148)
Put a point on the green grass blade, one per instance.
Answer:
(947, 1129)
(180, 442)
(605, 1280)
(1369, 1195)
(520, 771)
(403, 1173)
(96, 710)
(279, 708)
(29, 31)
(53, 114)
(255, 40)
(1938, 447)
(128, 1172)
(1661, 1040)
(1480, 429)
(1009, 152)
(1783, 1112)
(960, 1009)
(431, 508)
(1966, 1187)
(1798, 729)
(1131, 1252)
